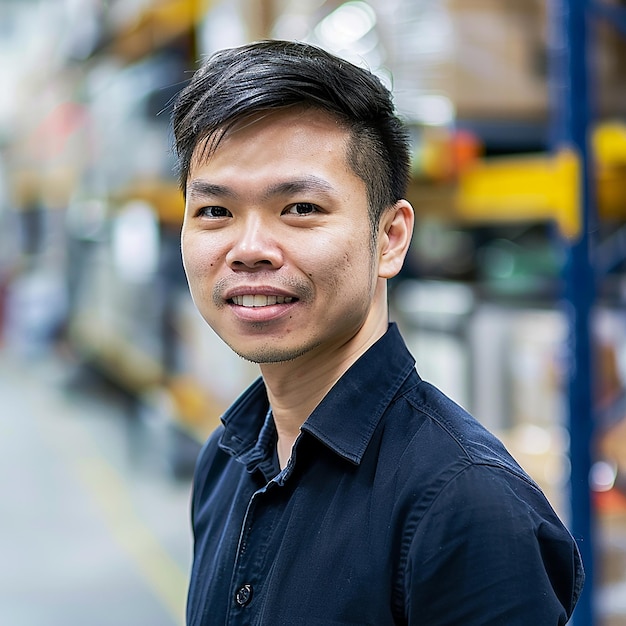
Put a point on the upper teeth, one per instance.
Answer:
(258, 300)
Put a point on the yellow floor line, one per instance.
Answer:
(163, 574)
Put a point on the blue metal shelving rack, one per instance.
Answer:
(571, 41)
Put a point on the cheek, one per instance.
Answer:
(198, 257)
(199, 267)
(342, 266)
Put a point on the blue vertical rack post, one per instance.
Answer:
(570, 42)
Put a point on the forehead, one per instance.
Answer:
(307, 131)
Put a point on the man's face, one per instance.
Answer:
(276, 238)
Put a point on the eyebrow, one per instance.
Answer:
(299, 185)
(205, 189)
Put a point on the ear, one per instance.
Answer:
(394, 236)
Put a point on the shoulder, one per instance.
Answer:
(452, 474)
(441, 437)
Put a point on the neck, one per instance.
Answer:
(296, 387)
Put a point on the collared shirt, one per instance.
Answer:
(396, 507)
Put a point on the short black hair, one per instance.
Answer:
(236, 83)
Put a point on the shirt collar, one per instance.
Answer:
(349, 413)
(345, 419)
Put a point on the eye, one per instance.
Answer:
(301, 208)
(213, 212)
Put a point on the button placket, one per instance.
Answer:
(243, 592)
(245, 569)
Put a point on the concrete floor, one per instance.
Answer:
(93, 529)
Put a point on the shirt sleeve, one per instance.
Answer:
(490, 551)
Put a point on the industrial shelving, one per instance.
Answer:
(575, 118)
(576, 185)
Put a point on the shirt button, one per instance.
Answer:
(243, 595)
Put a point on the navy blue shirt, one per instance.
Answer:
(396, 507)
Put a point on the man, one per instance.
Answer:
(341, 488)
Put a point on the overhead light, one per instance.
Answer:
(429, 109)
(602, 476)
(347, 24)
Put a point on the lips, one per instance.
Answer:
(273, 297)
(260, 300)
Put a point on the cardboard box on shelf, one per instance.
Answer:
(498, 66)
(491, 58)
(608, 68)
(486, 56)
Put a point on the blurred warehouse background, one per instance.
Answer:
(512, 297)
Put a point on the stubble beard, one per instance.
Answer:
(272, 354)
(270, 351)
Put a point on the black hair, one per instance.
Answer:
(235, 83)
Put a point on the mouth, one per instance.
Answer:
(259, 300)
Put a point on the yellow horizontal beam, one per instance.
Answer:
(194, 406)
(546, 187)
(164, 196)
(157, 24)
(609, 144)
(523, 189)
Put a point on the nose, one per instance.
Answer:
(255, 246)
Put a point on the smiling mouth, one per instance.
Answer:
(258, 300)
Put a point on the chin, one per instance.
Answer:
(271, 353)
(268, 355)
